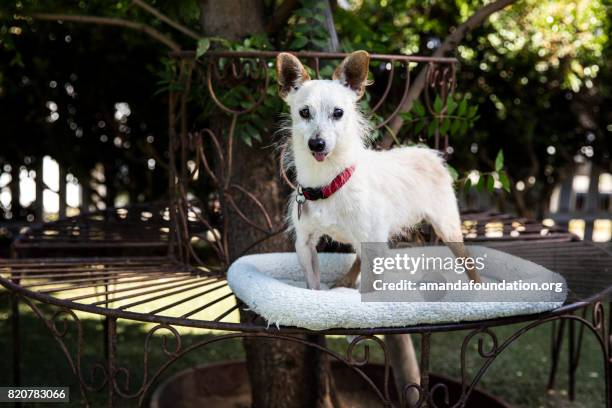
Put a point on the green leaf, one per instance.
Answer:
(454, 174)
(418, 108)
(419, 126)
(320, 43)
(462, 107)
(472, 112)
(499, 160)
(481, 182)
(503, 179)
(467, 185)
(455, 126)
(406, 116)
(445, 126)
(302, 28)
(304, 12)
(490, 183)
(431, 129)
(257, 120)
(203, 46)
(250, 129)
(17, 60)
(299, 42)
(438, 104)
(451, 105)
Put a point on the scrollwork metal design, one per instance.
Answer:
(238, 69)
(595, 326)
(173, 349)
(75, 363)
(350, 358)
(441, 82)
(398, 107)
(121, 376)
(171, 354)
(406, 397)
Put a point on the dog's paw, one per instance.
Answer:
(344, 282)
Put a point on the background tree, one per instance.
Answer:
(529, 69)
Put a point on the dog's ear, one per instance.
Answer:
(290, 72)
(353, 72)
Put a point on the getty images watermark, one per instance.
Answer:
(434, 274)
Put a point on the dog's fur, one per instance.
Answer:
(388, 192)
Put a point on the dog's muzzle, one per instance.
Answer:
(317, 147)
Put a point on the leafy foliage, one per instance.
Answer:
(308, 29)
(450, 119)
(454, 118)
(538, 72)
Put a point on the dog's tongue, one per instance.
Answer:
(319, 156)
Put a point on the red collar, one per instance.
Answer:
(318, 193)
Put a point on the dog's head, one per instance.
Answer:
(324, 113)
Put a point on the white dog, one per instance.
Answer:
(347, 191)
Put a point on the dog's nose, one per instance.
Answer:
(316, 145)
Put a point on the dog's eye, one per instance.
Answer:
(305, 113)
(338, 113)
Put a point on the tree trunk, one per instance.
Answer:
(282, 374)
(232, 19)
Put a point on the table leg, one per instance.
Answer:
(556, 345)
(608, 357)
(425, 351)
(16, 340)
(572, 357)
(111, 350)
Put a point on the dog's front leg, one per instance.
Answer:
(316, 269)
(305, 247)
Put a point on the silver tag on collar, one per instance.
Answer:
(300, 199)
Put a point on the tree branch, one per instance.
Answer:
(450, 43)
(111, 21)
(281, 15)
(334, 44)
(162, 17)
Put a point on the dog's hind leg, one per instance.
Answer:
(458, 249)
(449, 230)
(405, 365)
(349, 280)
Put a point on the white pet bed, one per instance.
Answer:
(272, 285)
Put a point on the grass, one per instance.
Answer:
(518, 375)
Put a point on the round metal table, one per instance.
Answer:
(125, 288)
